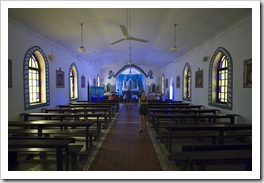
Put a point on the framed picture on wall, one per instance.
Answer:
(247, 80)
(82, 81)
(199, 79)
(59, 79)
(9, 73)
(178, 82)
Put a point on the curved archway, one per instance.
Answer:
(135, 80)
(44, 78)
(130, 66)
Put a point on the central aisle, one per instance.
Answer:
(124, 149)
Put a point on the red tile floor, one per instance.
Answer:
(124, 148)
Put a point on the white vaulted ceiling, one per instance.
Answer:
(102, 27)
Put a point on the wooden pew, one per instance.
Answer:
(153, 112)
(54, 132)
(188, 111)
(15, 145)
(178, 106)
(90, 106)
(221, 129)
(31, 152)
(42, 124)
(81, 110)
(111, 106)
(115, 103)
(216, 147)
(172, 118)
(62, 117)
(152, 101)
(204, 158)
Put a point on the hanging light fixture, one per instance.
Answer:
(174, 48)
(81, 48)
(51, 56)
(130, 73)
(130, 61)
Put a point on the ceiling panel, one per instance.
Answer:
(102, 27)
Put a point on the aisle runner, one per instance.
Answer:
(124, 149)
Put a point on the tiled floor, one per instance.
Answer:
(124, 149)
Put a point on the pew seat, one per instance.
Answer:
(204, 158)
(190, 135)
(214, 147)
(93, 133)
(43, 152)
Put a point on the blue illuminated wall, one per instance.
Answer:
(121, 77)
(97, 93)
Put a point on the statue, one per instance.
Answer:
(110, 74)
(150, 74)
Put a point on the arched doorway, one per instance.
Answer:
(130, 76)
(134, 80)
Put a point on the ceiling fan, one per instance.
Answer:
(127, 36)
(125, 32)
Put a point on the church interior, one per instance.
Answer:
(70, 69)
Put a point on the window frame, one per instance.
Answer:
(162, 84)
(187, 82)
(75, 86)
(220, 70)
(98, 80)
(214, 79)
(38, 74)
(44, 78)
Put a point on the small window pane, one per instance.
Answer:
(34, 81)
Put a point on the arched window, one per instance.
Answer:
(72, 78)
(73, 82)
(36, 79)
(187, 83)
(220, 79)
(162, 84)
(98, 80)
(171, 89)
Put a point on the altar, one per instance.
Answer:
(133, 92)
(132, 85)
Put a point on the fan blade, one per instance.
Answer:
(124, 30)
(137, 39)
(117, 41)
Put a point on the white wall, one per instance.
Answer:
(20, 39)
(238, 41)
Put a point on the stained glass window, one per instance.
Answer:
(72, 83)
(188, 84)
(222, 81)
(162, 84)
(34, 80)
